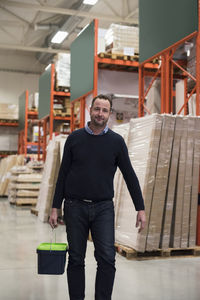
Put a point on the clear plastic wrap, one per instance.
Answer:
(195, 185)
(50, 173)
(120, 38)
(165, 153)
(9, 111)
(170, 197)
(161, 182)
(143, 134)
(63, 69)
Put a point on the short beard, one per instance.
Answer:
(96, 124)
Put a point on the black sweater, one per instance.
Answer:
(88, 167)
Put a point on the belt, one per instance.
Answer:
(89, 201)
(95, 201)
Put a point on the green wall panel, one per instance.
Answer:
(82, 63)
(22, 109)
(165, 22)
(44, 94)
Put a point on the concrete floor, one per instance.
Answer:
(21, 233)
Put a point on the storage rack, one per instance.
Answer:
(47, 94)
(167, 76)
(7, 123)
(25, 116)
(130, 64)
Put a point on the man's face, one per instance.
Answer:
(100, 112)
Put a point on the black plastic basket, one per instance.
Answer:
(51, 258)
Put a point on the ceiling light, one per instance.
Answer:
(59, 37)
(90, 2)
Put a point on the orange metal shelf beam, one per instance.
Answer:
(9, 124)
(62, 118)
(127, 63)
(32, 113)
(61, 93)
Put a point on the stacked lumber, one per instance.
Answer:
(24, 186)
(165, 153)
(6, 165)
(49, 178)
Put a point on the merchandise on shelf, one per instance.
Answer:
(164, 151)
(33, 101)
(8, 111)
(35, 133)
(62, 66)
(122, 39)
(8, 139)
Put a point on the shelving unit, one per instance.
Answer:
(86, 63)
(25, 117)
(7, 123)
(48, 117)
(165, 50)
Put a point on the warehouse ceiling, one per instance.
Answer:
(26, 28)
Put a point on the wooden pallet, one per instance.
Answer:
(160, 253)
(62, 89)
(8, 121)
(25, 201)
(118, 56)
(34, 211)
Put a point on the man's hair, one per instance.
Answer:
(104, 97)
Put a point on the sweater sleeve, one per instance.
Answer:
(130, 177)
(62, 175)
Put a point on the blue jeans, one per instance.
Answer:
(80, 216)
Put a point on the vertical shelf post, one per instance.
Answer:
(51, 101)
(26, 124)
(95, 80)
(198, 104)
(141, 92)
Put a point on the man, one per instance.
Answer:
(85, 181)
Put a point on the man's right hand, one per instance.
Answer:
(53, 219)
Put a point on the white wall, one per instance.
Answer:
(12, 85)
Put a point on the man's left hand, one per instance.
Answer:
(140, 220)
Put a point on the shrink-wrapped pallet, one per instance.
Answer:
(143, 144)
(62, 66)
(171, 189)
(50, 174)
(195, 185)
(8, 111)
(122, 39)
(178, 207)
(187, 183)
(123, 130)
(161, 182)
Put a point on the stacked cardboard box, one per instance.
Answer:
(165, 154)
(122, 39)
